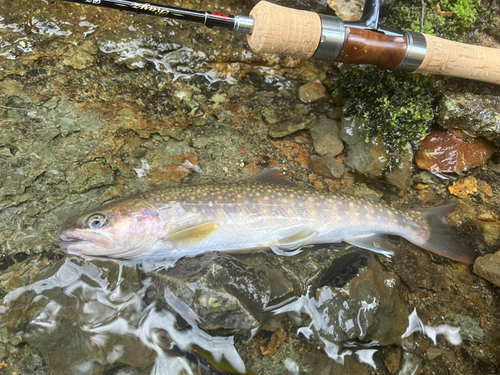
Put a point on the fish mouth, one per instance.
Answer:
(77, 242)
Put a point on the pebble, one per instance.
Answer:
(312, 91)
(486, 216)
(393, 360)
(283, 128)
(469, 328)
(433, 353)
(346, 9)
(464, 187)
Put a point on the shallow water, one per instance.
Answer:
(98, 104)
(100, 309)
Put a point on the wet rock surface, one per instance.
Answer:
(477, 115)
(312, 91)
(224, 292)
(326, 139)
(98, 104)
(362, 318)
(453, 151)
(488, 267)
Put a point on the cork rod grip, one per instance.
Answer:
(284, 31)
(460, 60)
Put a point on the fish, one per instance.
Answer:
(267, 211)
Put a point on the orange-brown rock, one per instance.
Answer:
(453, 151)
(464, 187)
(312, 91)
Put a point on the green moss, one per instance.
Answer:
(398, 105)
(467, 16)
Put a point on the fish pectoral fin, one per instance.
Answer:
(292, 245)
(193, 234)
(378, 243)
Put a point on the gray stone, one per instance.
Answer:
(364, 155)
(477, 115)
(326, 139)
(284, 128)
(469, 328)
(401, 175)
(488, 267)
(224, 292)
(326, 166)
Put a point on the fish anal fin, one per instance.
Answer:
(378, 243)
(193, 234)
(272, 176)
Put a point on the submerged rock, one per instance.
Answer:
(326, 166)
(352, 303)
(469, 328)
(371, 156)
(362, 306)
(453, 151)
(476, 114)
(488, 267)
(326, 139)
(224, 292)
(284, 128)
(81, 316)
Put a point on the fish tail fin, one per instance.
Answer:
(444, 239)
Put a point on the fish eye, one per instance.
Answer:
(96, 221)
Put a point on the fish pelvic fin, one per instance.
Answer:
(444, 239)
(292, 245)
(378, 243)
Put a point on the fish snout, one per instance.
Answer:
(75, 239)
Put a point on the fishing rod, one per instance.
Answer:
(275, 29)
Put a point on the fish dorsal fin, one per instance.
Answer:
(272, 176)
(193, 234)
(378, 243)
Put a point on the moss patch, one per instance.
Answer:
(398, 105)
(466, 16)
